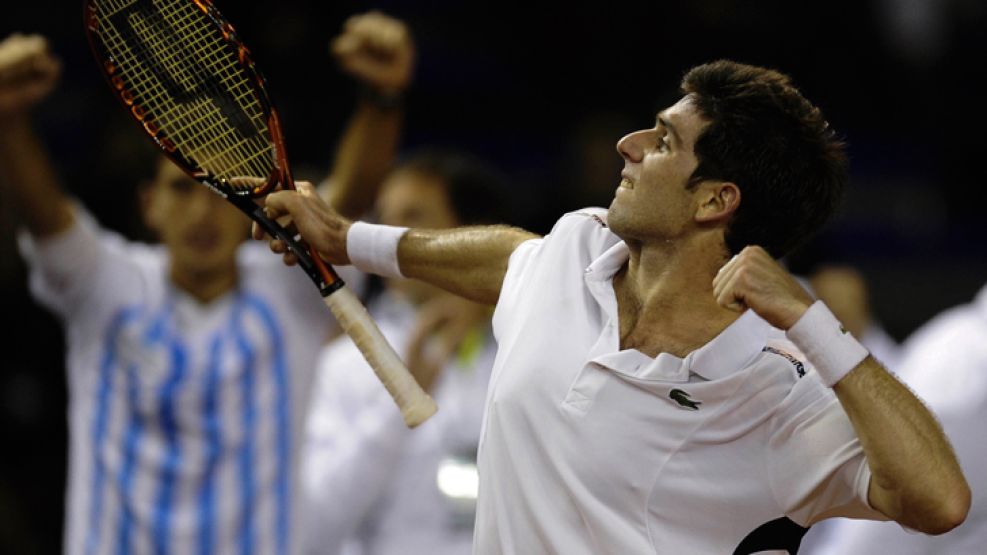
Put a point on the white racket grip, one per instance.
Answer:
(415, 404)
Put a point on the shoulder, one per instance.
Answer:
(782, 367)
(575, 240)
(948, 344)
(115, 251)
(780, 356)
(583, 232)
(586, 220)
(86, 258)
(945, 361)
(961, 327)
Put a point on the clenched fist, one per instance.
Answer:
(28, 73)
(753, 279)
(376, 49)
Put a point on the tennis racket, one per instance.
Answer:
(183, 74)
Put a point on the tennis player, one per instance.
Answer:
(662, 384)
(189, 363)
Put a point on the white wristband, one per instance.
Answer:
(373, 248)
(825, 342)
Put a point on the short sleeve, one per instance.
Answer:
(817, 467)
(546, 265)
(519, 265)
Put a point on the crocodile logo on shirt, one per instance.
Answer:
(682, 398)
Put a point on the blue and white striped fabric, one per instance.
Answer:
(183, 417)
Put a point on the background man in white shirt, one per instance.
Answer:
(371, 485)
(945, 362)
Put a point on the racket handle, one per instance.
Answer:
(415, 404)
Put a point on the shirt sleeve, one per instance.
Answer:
(518, 266)
(354, 439)
(575, 241)
(65, 269)
(817, 467)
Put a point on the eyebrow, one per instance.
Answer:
(671, 128)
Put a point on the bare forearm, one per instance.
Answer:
(916, 478)
(469, 261)
(365, 155)
(29, 181)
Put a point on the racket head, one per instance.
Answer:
(185, 77)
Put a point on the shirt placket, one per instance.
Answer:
(592, 376)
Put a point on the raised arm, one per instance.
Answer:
(378, 52)
(916, 479)
(468, 261)
(28, 73)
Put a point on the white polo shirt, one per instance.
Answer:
(369, 481)
(590, 449)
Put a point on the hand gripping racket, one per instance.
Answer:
(182, 73)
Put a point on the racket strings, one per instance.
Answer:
(188, 79)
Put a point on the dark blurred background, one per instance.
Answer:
(544, 90)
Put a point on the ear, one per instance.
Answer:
(718, 200)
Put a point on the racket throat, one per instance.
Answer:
(324, 277)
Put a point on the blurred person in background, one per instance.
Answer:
(945, 363)
(188, 362)
(844, 290)
(371, 485)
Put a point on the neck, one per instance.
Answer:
(665, 296)
(205, 286)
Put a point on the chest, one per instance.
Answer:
(643, 449)
(173, 358)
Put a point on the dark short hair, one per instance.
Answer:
(775, 145)
(476, 191)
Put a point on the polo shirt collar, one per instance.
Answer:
(607, 264)
(733, 349)
(730, 351)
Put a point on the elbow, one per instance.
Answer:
(949, 511)
(954, 510)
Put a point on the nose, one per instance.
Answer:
(629, 146)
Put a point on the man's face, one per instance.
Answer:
(200, 230)
(414, 199)
(652, 201)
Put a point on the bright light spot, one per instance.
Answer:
(458, 479)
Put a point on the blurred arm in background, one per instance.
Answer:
(28, 73)
(377, 50)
